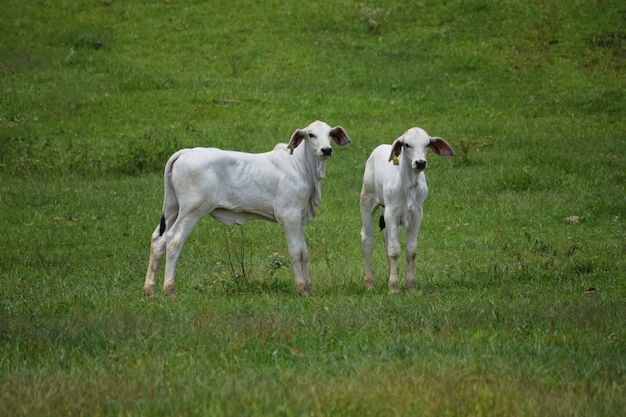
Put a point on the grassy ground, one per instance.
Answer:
(517, 229)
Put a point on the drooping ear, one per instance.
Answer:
(340, 136)
(440, 147)
(297, 138)
(396, 148)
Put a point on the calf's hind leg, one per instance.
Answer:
(367, 239)
(176, 238)
(157, 250)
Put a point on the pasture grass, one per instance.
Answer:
(520, 301)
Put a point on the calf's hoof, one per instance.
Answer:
(305, 290)
(168, 289)
(148, 292)
(394, 288)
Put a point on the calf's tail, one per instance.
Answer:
(381, 219)
(170, 203)
(162, 225)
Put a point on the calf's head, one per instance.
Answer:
(317, 136)
(413, 145)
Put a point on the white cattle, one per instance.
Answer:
(283, 185)
(394, 179)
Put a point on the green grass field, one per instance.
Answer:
(94, 97)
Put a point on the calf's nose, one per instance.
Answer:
(419, 164)
(327, 151)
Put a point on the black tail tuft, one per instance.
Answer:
(381, 222)
(162, 225)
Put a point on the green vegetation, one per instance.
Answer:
(520, 308)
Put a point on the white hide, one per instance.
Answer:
(394, 180)
(283, 185)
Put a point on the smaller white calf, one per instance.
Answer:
(394, 179)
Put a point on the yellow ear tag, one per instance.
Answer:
(291, 148)
(395, 160)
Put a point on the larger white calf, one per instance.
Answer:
(283, 185)
(394, 179)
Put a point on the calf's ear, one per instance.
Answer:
(297, 138)
(396, 148)
(440, 147)
(340, 136)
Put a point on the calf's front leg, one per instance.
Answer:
(411, 249)
(392, 247)
(299, 258)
